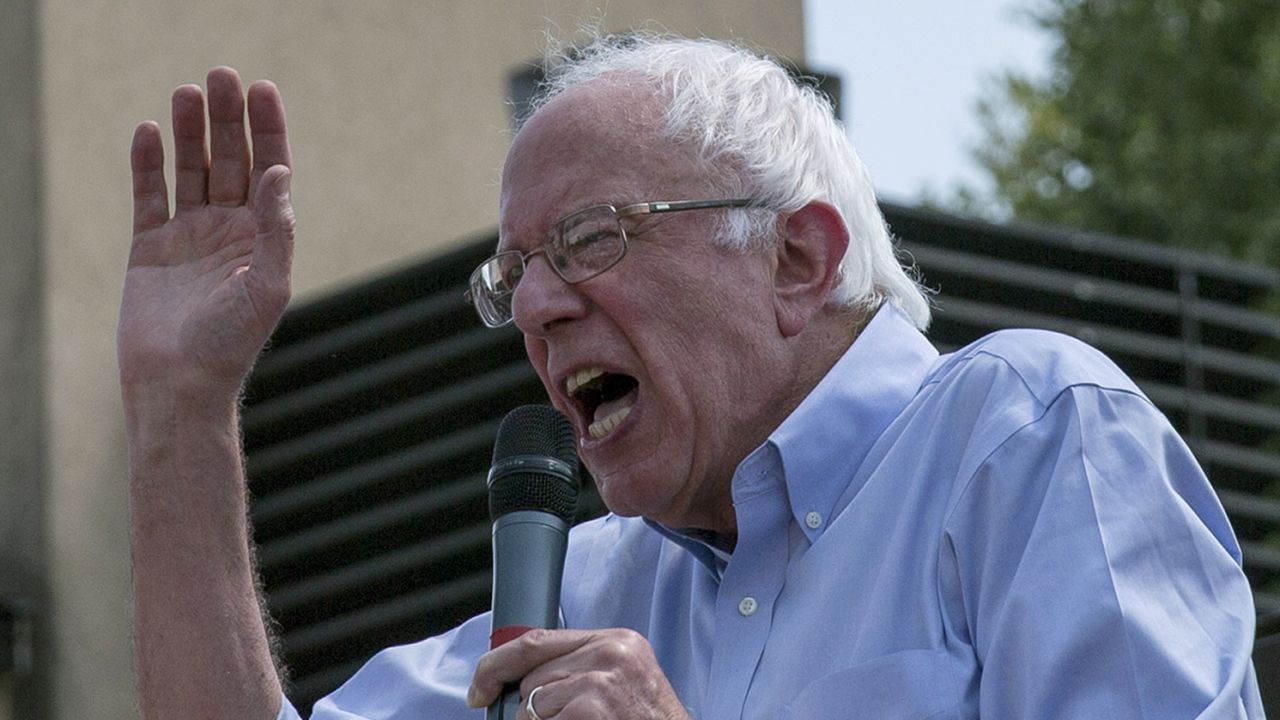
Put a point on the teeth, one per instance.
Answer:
(604, 426)
(580, 378)
(588, 386)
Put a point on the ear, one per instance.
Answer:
(814, 239)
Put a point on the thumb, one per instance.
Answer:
(273, 213)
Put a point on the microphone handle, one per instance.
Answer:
(505, 707)
(528, 566)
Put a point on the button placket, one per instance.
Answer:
(750, 586)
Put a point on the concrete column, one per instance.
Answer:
(22, 497)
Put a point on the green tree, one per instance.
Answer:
(1159, 119)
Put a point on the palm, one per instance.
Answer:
(205, 287)
(186, 300)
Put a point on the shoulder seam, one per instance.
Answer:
(1044, 409)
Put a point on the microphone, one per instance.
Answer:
(533, 495)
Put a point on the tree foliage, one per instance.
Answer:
(1160, 119)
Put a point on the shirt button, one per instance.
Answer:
(748, 606)
(813, 520)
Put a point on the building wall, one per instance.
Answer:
(22, 556)
(399, 127)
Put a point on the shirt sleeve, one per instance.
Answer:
(1097, 571)
(427, 679)
(287, 711)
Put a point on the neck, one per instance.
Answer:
(814, 352)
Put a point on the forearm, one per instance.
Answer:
(201, 647)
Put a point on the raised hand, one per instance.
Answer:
(205, 287)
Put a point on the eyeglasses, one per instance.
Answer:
(578, 248)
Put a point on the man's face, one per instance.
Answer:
(677, 346)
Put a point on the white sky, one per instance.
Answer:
(912, 73)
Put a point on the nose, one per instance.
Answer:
(542, 300)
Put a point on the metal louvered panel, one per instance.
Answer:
(369, 424)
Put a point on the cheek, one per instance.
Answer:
(536, 351)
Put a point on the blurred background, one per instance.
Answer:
(1106, 168)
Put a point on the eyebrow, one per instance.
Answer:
(559, 219)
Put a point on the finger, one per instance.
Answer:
(150, 195)
(545, 703)
(229, 151)
(268, 128)
(190, 159)
(274, 214)
(514, 660)
(273, 248)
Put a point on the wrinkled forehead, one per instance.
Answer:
(598, 143)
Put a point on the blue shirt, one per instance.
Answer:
(1009, 531)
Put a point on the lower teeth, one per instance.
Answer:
(600, 428)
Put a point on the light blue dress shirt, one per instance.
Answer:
(1008, 531)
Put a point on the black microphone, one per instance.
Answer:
(533, 495)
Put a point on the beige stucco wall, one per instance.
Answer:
(399, 127)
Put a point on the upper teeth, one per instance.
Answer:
(580, 378)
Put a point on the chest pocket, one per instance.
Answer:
(908, 685)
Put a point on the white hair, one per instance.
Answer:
(763, 136)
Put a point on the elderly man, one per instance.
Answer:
(813, 513)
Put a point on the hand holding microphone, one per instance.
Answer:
(533, 495)
(561, 674)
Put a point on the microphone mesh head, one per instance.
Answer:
(536, 430)
(533, 432)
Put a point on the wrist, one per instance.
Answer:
(175, 430)
(173, 399)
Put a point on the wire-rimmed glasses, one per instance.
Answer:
(579, 247)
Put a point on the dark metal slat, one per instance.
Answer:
(1258, 555)
(1057, 239)
(323, 488)
(419, 362)
(1265, 462)
(288, 359)
(314, 538)
(1249, 505)
(406, 608)
(1266, 603)
(1029, 277)
(1111, 338)
(360, 429)
(370, 572)
(1234, 317)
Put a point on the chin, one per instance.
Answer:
(618, 502)
(626, 496)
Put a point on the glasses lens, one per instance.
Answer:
(492, 285)
(588, 243)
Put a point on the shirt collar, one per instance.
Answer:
(825, 439)
(758, 473)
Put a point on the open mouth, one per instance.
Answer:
(603, 398)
